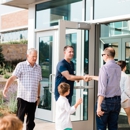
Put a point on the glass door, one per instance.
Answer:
(50, 44)
(73, 37)
(46, 45)
(77, 35)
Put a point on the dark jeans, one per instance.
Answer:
(24, 107)
(111, 108)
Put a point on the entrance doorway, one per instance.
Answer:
(50, 43)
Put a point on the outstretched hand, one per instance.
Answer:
(87, 78)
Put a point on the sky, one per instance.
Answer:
(7, 9)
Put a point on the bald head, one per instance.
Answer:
(110, 52)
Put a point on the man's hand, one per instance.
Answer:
(4, 92)
(38, 101)
(87, 78)
(8, 83)
(99, 112)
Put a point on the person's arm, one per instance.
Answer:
(8, 83)
(38, 94)
(94, 77)
(78, 103)
(125, 85)
(71, 77)
(102, 83)
(99, 111)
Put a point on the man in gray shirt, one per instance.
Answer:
(109, 101)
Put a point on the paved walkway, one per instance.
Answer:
(42, 125)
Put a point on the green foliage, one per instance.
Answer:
(1, 100)
(44, 50)
(2, 71)
(12, 105)
(1, 57)
(45, 73)
(6, 76)
(22, 41)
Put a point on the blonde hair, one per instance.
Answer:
(10, 122)
(63, 88)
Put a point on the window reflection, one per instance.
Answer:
(45, 61)
(85, 106)
(14, 35)
(48, 13)
(115, 29)
(71, 39)
(127, 46)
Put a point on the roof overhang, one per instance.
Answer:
(20, 3)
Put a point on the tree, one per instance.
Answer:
(1, 56)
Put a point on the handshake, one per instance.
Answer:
(87, 78)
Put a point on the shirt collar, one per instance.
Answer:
(30, 64)
(110, 61)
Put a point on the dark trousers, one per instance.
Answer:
(111, 108)
(24, 107)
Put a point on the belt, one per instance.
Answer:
(115, 97)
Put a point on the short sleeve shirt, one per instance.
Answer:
(63, 65)
(28, 80)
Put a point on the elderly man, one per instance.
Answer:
(28, 74)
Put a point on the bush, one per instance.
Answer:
(6, 76)
(12, 105)
(1, 56)
(22, 41)
(2, 71)
(1, 100)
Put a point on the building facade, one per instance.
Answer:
(14, 26)
(88, 25)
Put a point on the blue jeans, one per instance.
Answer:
(111, 108)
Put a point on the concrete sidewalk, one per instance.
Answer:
(42, 125)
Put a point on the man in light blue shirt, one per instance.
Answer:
(109, 101)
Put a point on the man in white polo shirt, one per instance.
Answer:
(29, 75)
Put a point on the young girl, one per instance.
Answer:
(125, 89)
(63, 108)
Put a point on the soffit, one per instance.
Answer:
(20, 3)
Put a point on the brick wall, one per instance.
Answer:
(14, 20)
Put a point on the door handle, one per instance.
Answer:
(50, 82)
(83, 87)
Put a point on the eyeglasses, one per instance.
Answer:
(103, 54)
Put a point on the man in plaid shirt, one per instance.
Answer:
(29, 75)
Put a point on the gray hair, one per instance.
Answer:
(31, 50)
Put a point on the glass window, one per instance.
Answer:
(115, 29)
(71, 39)
(48, 13)
(14, 35)
(127, 46)
(45, 61)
